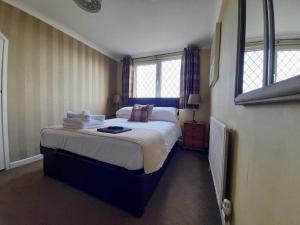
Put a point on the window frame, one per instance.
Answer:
(286, 90)
(158, 61)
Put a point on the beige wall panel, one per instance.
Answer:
(90, 79)
(12, 31)
(49, 73)
(93, 85)
(43, 40)
(66, 72)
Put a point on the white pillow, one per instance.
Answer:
(124, 112)
(164, 114)
(158, 113)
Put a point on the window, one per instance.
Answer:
(170, 78)
(253, 70)
(146, 80)
(157, 79)
(286, 65)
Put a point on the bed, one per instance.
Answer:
(104, 167)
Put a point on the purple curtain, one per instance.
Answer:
(189, 76)
(127, 79)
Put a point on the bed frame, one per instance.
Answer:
(126, 189)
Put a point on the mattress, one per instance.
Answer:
(110, 150)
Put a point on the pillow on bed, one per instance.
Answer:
(141, 113)
(164, 114)
(158, 113)
(124, 112)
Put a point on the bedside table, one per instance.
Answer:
(194, 136)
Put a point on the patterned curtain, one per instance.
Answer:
(189, 76)
(127, 79)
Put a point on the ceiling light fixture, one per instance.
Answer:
(92, 6)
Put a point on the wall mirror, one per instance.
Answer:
(268, 59)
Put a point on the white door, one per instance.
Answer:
(2, 161)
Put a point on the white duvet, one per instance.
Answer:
(113, 151)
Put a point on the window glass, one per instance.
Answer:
(254, 41)
(170, 78)
(288, 64)
(158, 79)
(253, 70)
(146, 81)
(287, 37)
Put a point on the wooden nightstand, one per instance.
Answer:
(194, 136)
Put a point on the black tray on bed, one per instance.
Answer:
(113, 130)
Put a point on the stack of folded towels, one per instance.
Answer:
(83, 120)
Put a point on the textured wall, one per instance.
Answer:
(49, 73)
(265, 180)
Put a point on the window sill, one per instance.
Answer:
(284, 91)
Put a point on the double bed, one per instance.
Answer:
(112, 169)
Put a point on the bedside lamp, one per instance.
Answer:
(117, 100)
(194, 99)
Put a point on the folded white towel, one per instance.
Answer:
(98, 117)
(73, 114)
(86, 115)
(78, 123)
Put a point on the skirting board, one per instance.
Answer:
(26, 161)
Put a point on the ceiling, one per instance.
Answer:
(131, 27)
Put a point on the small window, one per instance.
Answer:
(157, 79)
(170, 78)
(253, 70)
(146, 80)
(287, 64)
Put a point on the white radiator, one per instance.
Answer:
(218, 141)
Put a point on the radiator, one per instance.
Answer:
(218, 151)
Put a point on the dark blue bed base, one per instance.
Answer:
(126, 189)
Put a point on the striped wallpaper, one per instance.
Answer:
(49, 73)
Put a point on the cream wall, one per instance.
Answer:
(265, 162)
(49, 73)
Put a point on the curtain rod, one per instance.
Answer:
(158, 56)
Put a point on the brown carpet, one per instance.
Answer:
(184, 196)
